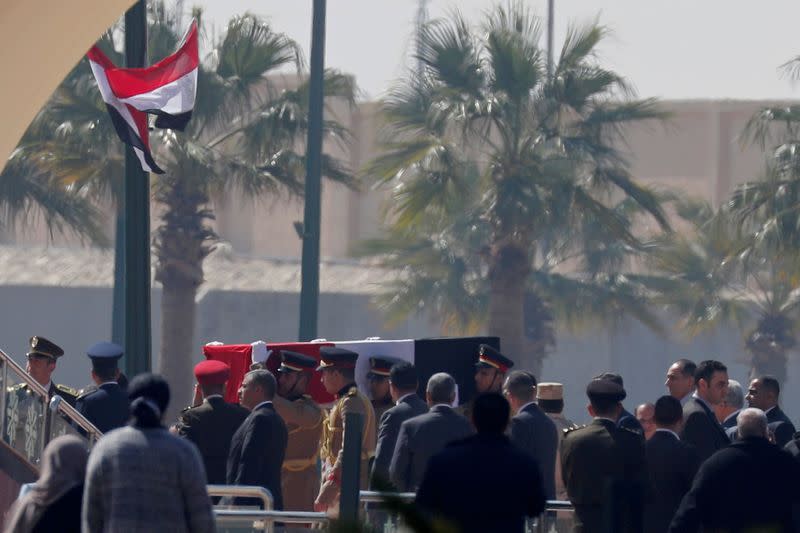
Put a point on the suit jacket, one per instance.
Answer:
(106, 406)
(534, 432)
(388, 430)
(749, 486)
(781, 426)
(628, 421)
(479, 495)
(701, 429)
(672, 465)
(419, 439)
(730, 422)
(210, 426)
(257, 451)
(604, 466)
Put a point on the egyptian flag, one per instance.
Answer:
(166, 89)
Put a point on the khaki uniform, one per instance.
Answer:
(380, 407)
(351, 401)
(562, 424)
(300, 471)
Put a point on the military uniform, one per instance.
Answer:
(106, 405)
(304, 418)
(554, 392)
(604, 470)
(379, 369)
(488, 357)
(211, 425)
(348, 400)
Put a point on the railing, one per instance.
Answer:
(257, 519)
(29, 419)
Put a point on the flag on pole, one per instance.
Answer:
(166, 89)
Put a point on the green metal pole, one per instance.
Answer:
(309, 291)
(351, 468)
(137, 220)
(118, 305)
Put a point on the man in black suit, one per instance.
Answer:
(422, 436)
(105, 406)
(211, 425)
(671, 464)
(626, 419)
(403, 382)
(749, 486)
(604, 466)
(483, 483)
(764, 393)
(728, 409)
(700, 426)
(259, 445)
(531, 429)
(680, 380)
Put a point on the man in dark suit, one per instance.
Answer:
(107, 405)
(422, 436)
(728, 409)
(671, 464)
(403, 382)
(764, 393)
(259, 445)
(626, 418)
(483, 483)
(749, 486)
(531, 429)
(211, 425)
(700, 426)
(604, 466)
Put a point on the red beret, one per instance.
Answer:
(211, 372)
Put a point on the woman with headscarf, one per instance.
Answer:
(141, 477)
(54, 501)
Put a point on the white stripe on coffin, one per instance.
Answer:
(399, 349)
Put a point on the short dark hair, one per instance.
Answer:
(771, 384)
(266, 380)
(603, 405)
(551, 406)
(706, 369)
(404, 376)
(668, 411)
(521, 384)
(490, 413)
(611, 376)
(105, 371)
(687, 366)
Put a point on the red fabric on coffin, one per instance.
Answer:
(236, 356)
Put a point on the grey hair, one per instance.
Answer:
(735, 396)
(264, 379)
(751, 422)
(441, 388)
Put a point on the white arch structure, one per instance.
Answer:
(40, 41)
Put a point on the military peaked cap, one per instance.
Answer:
(211, 372)
(380, 365)
(331, 357)
(488, 357)
(296, 362)
(605, 389)
(44, 348)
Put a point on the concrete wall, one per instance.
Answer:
(77, 317)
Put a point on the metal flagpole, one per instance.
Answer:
(137, 220)
(550, 16)
(309, 291)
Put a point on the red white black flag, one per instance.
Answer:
(166, 89)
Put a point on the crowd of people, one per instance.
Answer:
(695, 459)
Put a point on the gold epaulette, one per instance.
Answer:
(68, 390)
(352, 392)
(17, 387)
(572, 428)
(85, 392)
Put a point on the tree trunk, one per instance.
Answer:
(770, 361)
(177, 344)
(508, 275)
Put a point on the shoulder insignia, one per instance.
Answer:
(631, 430)
(187, 409)
(83, 393)
(18, 388)
(572, 428)
(352, 392)
(68, 390)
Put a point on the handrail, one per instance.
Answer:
(287, 517)
(27, 378)
(371, 496)
(58, 404)
(243, 491)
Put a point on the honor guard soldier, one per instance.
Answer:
(550, 398)
(338, 377)
(604, 467)
(378, 377)
(211, 425)
(304, 419)
(41, 363)
(105, 406)
(490, 372)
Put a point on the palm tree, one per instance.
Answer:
(527, 161)
(244, 137)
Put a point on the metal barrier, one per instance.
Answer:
(29, 419)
